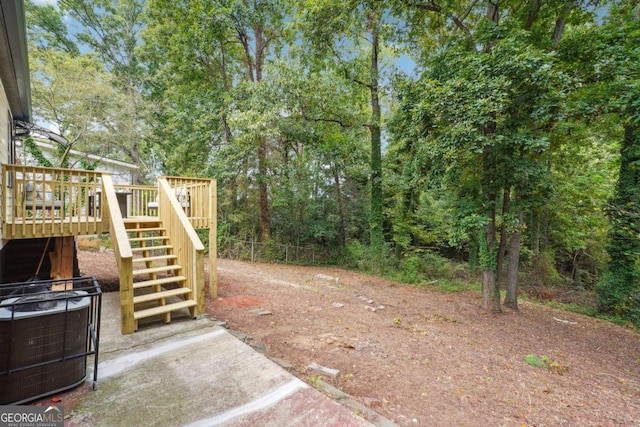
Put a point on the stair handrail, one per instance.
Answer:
(188, 247)
(123, 253)
(202, 211)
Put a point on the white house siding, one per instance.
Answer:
(4, 144)
(121, 172)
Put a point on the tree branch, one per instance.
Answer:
(431, 6)
(533, 14)
(353, 79)
(323, 120)
(559, 28)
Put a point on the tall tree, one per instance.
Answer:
(321, 147)
(490, 99)
(111, 29)
(46, 28)
(351, 35)
(619, 288)
(77, 96)
(223, 47)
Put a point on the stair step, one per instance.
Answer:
(148, 238)
(159, 269)
(146, 229)
(151, 248)
(162, 309)
(155, 258)
(162, 281)
(143, 226)
(158, 295)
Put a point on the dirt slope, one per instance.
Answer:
(425, 358)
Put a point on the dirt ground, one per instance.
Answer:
(427, 358)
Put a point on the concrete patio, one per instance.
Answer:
(193, 373)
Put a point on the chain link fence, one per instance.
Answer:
(273, 252)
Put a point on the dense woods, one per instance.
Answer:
(401, 136)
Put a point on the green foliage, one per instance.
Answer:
(36, 153)
(426, 269)
(480, 122)
(107, 117)
(493, 106)
(545, 363)
(541, 271)
(73, 92)
(355, 255)
(619, 294)
(619, 288)
(534, 360)
(203, 235)
(410, 267)
(470, 91)
(110, 28)
(583, 178)
(47, 28)
(446, 285)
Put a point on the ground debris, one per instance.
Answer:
(329, 371)
(261, 312)
(568, 322)
(326, 278)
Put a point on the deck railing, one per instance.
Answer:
(42, 202)
(53, 202)
(198, 195)
(195, 195)
(141, 200)
(189, 248)
(123, 254)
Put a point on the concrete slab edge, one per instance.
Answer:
(351, 403)
(120, 364)
(264, 401)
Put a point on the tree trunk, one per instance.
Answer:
(619, 290)
(376, 218)
(493, 13)
(502, 246)
(536, 236)
(490, 290)
(533, 14)
(511, 299)
(254, 72)
(134, 154)
(545, 217)
(342, 227)
(560, 22)
(263, 189)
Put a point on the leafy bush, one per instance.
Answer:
(619, 296)
(541, 271)
(419, 265)
(354, 255)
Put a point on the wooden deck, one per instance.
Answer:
(48, 202)
(32, 228)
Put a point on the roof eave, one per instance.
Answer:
(14, 60)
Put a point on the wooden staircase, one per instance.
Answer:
(159, 284)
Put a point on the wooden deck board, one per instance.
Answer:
(31, 228)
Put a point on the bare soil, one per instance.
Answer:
(424, 357)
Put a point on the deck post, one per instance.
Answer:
(123, 253)
(213, 240)
(128, 323)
